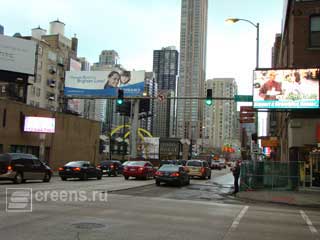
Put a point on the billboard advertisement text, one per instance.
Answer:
(104, 83)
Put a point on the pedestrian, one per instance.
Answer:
(236, 175)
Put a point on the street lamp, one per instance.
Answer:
(234, 20)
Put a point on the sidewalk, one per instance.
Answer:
(295, 198)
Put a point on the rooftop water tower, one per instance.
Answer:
(57, 27)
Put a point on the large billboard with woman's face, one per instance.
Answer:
(104, 83)
(286, 88)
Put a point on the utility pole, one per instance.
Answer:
(134, 128)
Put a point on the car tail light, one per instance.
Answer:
(99, 166)
(77, 169)
(60, 169)
(9, 168)
(111, 166)
(140, 169)
(159, 173)
(203, 170)
(176, 174)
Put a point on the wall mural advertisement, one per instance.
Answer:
(104, 83)
(286, 88)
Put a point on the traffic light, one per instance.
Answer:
(209, 97)
(120, 97)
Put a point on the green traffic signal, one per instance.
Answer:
(209, 102)
(120, 97)
(209, 97)
(119, 101)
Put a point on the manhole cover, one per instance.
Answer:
(87, 225)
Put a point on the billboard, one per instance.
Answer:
(151, 147)
(104, 83)
(17, 55)
(39, 124)
(286, 88)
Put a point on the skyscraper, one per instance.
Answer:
(165, 67)
(220, 119)
(193, 42)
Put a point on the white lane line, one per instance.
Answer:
(309, 223)
(238, 218)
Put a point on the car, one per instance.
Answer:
(111, 167)
(215, 164)
(198, 168)
(174, 174)
(20, 167)
(138, 169)
(79, 169)
(222, 163)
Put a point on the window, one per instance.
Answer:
(315, 31)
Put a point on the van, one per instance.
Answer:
(19, 167)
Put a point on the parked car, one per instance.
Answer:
(111, 167)
(138, 169)
(19, 167)
(215, 164)
(199, 168)
(175, 174)
(79, 169)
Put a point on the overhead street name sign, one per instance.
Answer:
(243, 98)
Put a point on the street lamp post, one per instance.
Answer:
(234, 20)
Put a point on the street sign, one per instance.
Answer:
(246, 109)
(247, 114)
(243, 98)
(247, 120)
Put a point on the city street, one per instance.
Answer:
(202, 210)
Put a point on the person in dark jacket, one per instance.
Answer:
(236, 175)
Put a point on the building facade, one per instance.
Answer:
(108, 57)
(298, 46)
(53, 55)
(164, 115)
(66, 144)
(220, 119)
(1, 29)
(165, 68)
(193, 42)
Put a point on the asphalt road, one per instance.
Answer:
(146, 216)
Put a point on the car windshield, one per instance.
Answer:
(136, 163)
(194, 163)
(75, 164)
(170, 168)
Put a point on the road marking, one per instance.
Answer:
(309, 223)
(238, 218)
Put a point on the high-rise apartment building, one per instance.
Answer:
(53, 58)
(165, 67)
(220, 118)
(193, 41)
(1, 30)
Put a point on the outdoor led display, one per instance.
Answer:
(286, 88)
(39, 124)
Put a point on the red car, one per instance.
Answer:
(138, 169)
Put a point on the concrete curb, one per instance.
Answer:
(251, 200)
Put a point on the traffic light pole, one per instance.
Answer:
(134, 129)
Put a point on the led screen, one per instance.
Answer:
(286, 88)
(39, 124)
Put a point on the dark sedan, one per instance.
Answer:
(111, 167)
(175, 174)
(79, 169)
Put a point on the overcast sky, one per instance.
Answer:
(134, 28)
